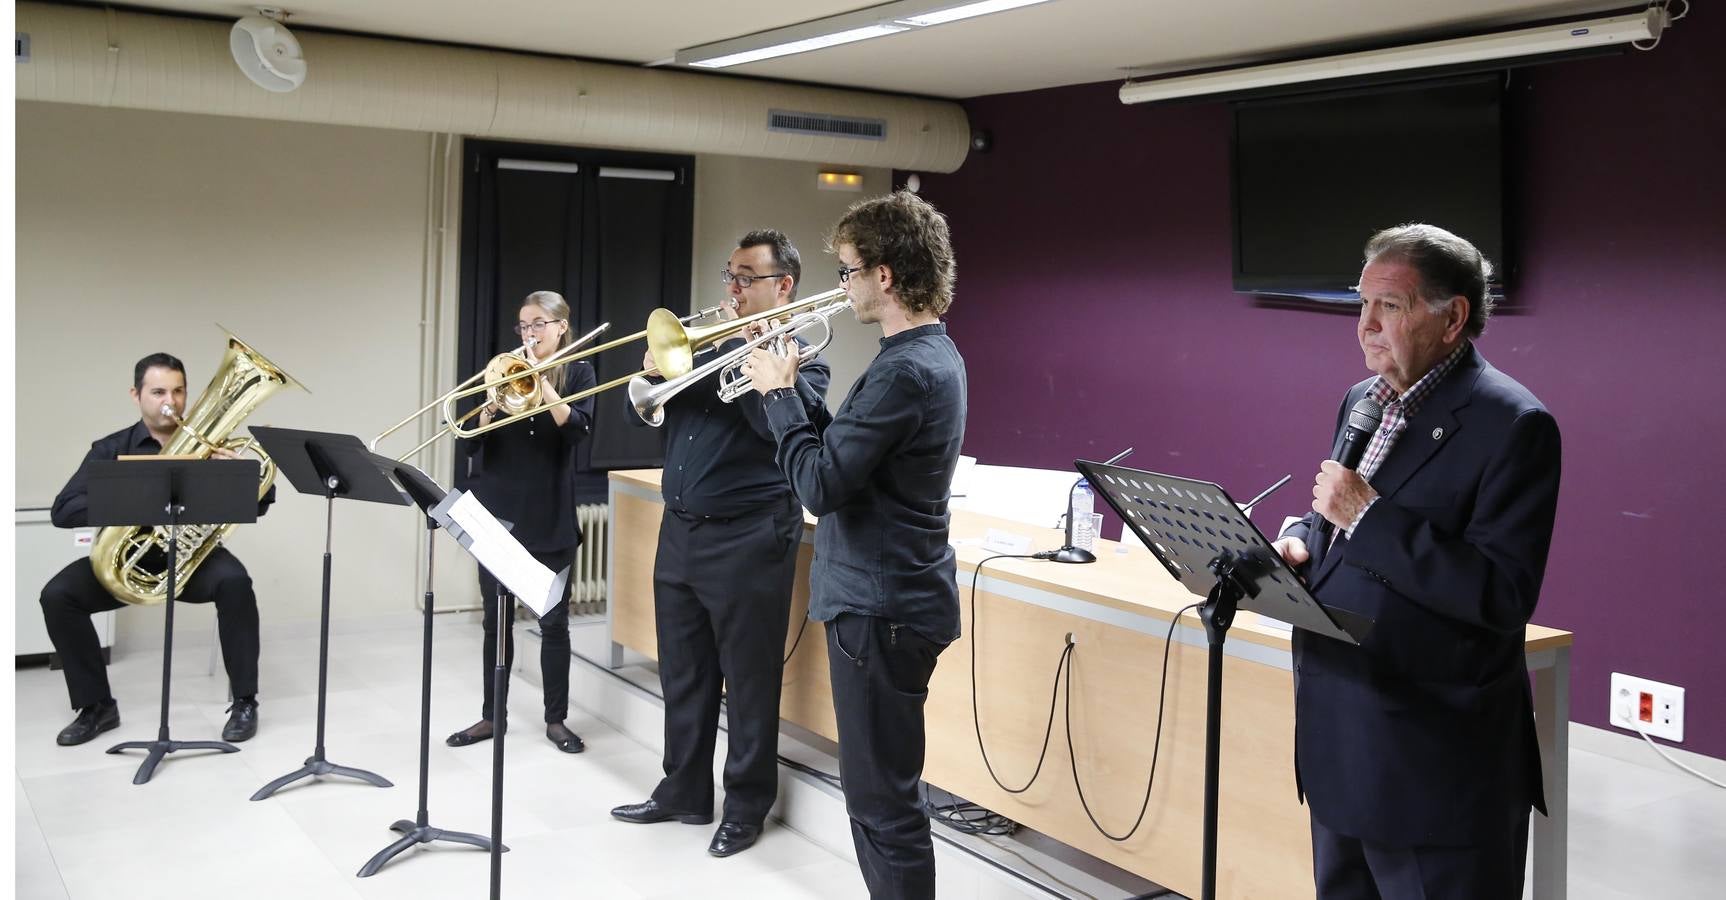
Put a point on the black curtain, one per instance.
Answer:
(611, 231)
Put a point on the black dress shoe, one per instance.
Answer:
(473, 734)
(242, 720)
(91, 721)
(564, 739)
(733, 837)
(649, 812)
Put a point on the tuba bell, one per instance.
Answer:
(131, 562)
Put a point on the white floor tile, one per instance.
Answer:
(85, 832)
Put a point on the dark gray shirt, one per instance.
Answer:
(877, 474)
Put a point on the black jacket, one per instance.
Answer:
(1424, 734)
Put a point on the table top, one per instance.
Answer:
(1124, 577)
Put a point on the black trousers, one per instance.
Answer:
(880, 674)
(73, 595)
(553, 643)
(721, 601)
(1347, 868)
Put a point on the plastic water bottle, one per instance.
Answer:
(1084, 503)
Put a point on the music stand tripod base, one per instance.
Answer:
(420, 831)
(161, 748)
(426, 494)
(332, 466)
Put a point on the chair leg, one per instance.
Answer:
(215, 643)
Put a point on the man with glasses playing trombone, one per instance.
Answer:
(723, 575)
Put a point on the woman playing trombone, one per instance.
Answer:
(526, 475)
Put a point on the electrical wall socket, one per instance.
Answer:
(1648, 706)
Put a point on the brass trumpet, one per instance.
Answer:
(649, 399)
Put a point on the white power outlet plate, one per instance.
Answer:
(1648, 706)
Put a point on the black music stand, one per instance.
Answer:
(330, 466)
(172, 492)
(426, 494)
(499, 715)
(506, 598)
(1201, 536)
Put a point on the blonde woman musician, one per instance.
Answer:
(527, 476)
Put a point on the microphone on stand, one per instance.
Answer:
(1069, 553)
(1363, 422)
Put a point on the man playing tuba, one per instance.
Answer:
(73, 595)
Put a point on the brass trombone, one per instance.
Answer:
(673, 344)
(649, 399)
(511, 382)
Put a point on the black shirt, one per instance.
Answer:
(72, 506)
(719, 456)
(527, 470)
(877, 474)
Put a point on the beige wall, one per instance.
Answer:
(320, 245)
(734, 195)
(139, 232)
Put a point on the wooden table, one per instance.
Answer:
(1117, 612)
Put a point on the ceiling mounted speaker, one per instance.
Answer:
(267, 52)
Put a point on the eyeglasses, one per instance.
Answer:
(845, 272)
(536, 326)
(744, 281)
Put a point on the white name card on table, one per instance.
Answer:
(998, 541)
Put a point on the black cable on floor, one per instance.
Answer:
(1156, 743)
(964, 816)
(1054, 689)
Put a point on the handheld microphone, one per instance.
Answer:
(1363, 422)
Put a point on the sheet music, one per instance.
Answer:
(502, 555)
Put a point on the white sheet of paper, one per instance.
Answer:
(502, 555)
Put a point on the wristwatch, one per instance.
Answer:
(780, 393)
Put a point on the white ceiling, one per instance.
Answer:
(1055, 43)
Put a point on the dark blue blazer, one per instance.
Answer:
(1424, 734)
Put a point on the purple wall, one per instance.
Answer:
(1094, 311)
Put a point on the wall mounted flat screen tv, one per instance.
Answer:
(1316, 174)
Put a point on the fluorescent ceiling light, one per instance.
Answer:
(965, 11)
(1538, 41)
(846, 28)
(802, 46)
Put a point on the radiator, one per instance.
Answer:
(587, 576)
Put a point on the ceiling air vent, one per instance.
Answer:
(822, 123)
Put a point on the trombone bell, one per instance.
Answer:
(673, 344)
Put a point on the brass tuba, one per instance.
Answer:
(130, 562)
